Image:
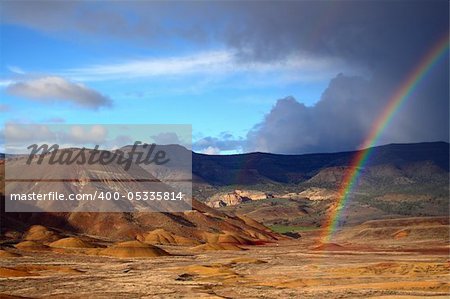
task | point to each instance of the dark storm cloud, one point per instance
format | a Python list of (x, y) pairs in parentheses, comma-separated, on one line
[(356, 30), (343, 118), (388, 38), (143, 22)]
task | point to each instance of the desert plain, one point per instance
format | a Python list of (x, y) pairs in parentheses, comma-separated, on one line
[(399, 258)]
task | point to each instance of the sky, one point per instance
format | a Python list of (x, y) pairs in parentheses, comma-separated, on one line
[(287, 77)]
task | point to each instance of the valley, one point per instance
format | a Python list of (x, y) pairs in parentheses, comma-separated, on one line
[(399, 181)]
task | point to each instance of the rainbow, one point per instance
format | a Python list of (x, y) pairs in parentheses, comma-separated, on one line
[(398, 98)]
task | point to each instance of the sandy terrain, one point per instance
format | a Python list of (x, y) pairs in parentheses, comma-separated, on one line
[(289, 269)]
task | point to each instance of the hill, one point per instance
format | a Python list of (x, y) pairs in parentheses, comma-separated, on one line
[(260, 168), (120, 220)]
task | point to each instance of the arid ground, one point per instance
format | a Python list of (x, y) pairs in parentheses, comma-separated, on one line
[(412, 264)]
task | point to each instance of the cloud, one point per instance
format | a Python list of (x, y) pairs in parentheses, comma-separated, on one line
[(81, 134), (344, 117), (211, 151), (64, 134), (54, 88), (293, 67), (19, 136), (16, 70), (386, 39), (136, 21), (164, 138), (5, 82), (23, 133), (204, 62), (224, 142), (268, 30)]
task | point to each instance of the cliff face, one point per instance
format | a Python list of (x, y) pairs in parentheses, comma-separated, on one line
[(313, 193), (236, 197)]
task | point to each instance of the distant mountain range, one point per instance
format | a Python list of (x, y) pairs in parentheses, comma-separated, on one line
[(265, 169), (256, 168)]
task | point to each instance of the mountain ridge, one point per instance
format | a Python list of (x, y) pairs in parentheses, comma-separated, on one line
[(297, 168)]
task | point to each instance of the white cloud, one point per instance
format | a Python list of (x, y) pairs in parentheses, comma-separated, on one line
[(293, 67), (93, 134), (5, 82), (19, 136), (22, 133), (225, 142), (211, 151), (16, 70), (204, 62), (54, 88)]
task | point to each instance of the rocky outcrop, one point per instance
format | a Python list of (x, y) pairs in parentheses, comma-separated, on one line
[(313, 193), (236, 197)]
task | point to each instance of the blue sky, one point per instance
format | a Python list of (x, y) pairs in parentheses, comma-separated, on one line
[(224, 100), (228, 73)]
